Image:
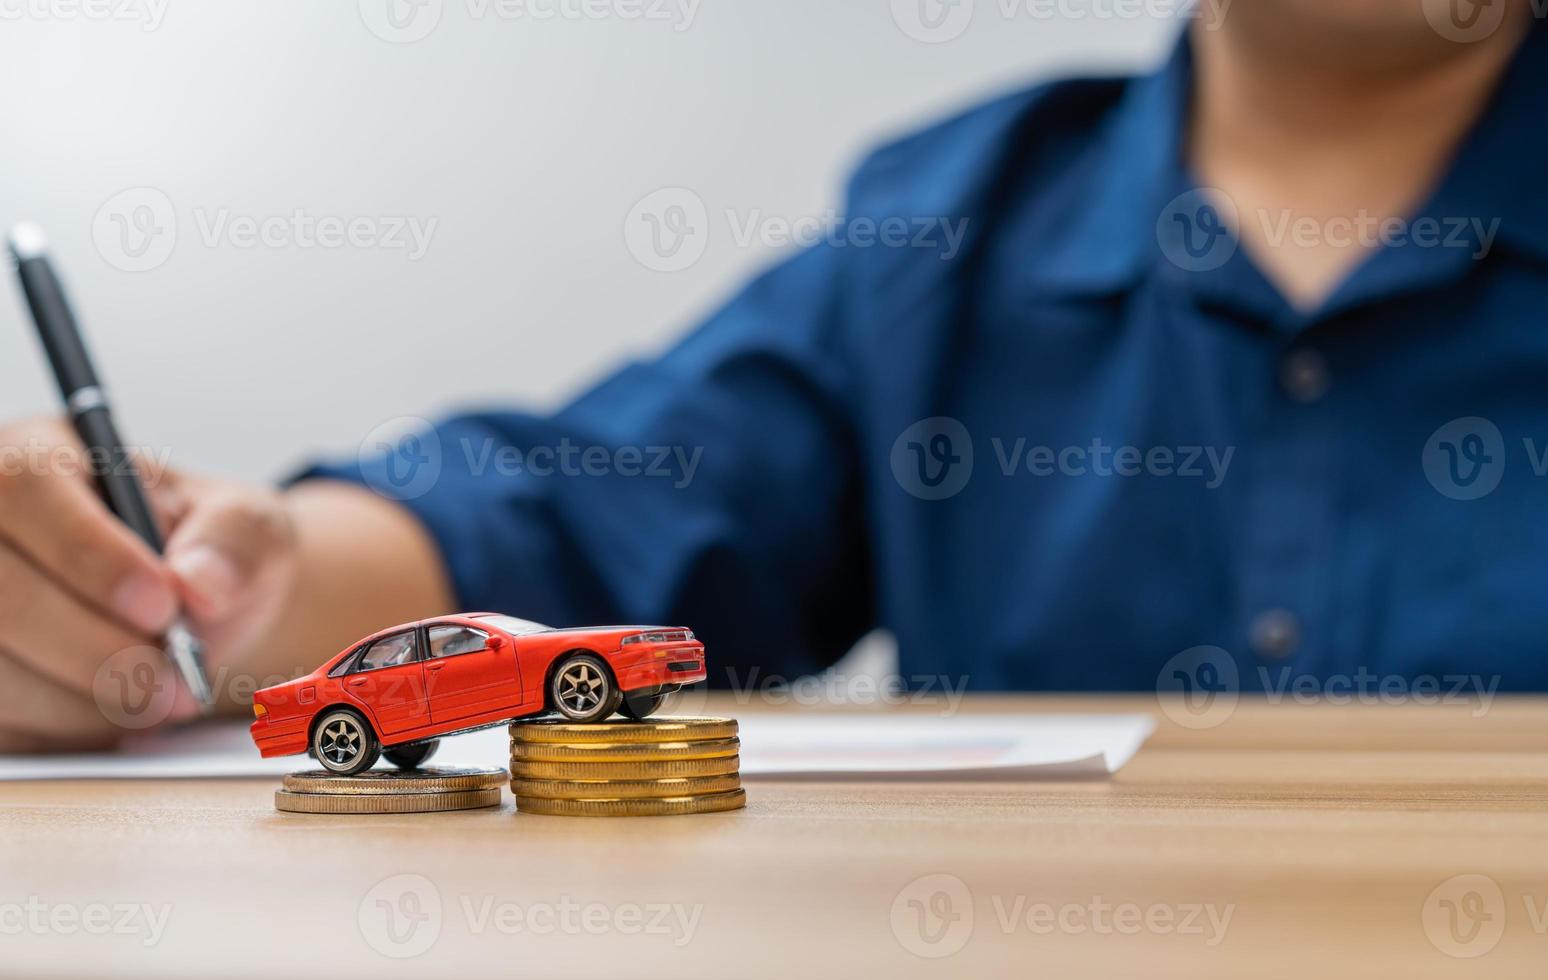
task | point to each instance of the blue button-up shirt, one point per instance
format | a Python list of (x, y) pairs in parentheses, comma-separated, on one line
[(1031, 409)]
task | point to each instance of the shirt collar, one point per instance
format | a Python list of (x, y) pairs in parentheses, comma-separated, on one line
[(1105, 233), (1500, 169), (1099, 235)]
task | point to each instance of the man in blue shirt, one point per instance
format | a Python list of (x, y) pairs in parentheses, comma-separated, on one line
[(1247, 354)]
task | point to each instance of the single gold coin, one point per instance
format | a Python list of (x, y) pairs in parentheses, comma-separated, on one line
[(376, 782), (716, 748), (654, 730), (284, 799), (624, 789), (677, 769), (712, 803)]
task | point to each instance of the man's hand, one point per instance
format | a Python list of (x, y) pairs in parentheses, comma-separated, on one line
[(84, 601)]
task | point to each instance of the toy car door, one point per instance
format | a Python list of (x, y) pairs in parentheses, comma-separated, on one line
[(469, 671)]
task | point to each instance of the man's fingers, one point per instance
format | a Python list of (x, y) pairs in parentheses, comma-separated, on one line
[(34, 707), (53, 632), (19, 743), (50, 512), (224, 546), (67, 532), (169, 502)]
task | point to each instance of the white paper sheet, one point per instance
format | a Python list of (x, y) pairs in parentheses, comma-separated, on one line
[(791, 746)]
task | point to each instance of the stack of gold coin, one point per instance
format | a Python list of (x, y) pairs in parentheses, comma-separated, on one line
[(390, 791), (649, 768)]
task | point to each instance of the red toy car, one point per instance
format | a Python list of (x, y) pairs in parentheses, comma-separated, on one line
[(397, 691)]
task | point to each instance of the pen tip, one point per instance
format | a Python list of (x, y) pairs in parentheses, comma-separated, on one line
[(27, 242)]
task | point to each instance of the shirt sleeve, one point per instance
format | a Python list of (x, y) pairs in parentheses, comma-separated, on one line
[(715, 487)]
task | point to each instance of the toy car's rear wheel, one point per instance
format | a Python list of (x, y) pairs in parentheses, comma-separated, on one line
[(640, 705), (583, 689), (411, 756), (343, 743)]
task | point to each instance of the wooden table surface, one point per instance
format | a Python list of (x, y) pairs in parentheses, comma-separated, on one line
[(1289, 841)]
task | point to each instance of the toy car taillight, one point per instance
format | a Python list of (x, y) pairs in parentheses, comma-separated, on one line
[(664, 636)]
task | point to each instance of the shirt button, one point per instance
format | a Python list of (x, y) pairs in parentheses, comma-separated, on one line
[(1304, 374), (1275, 634)]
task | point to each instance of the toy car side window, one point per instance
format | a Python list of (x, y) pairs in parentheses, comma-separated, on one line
[(347, 665), (449, 641), (390, 651)]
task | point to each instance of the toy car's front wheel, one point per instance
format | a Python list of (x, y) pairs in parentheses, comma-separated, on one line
[(583, 689), (343, 743)]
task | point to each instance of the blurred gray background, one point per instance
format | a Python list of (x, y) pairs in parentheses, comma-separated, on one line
[(168, 148)]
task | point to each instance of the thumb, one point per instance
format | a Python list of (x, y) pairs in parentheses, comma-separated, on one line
[(224, 547)]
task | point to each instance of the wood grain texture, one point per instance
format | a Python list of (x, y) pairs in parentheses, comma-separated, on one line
[(1322, 833)]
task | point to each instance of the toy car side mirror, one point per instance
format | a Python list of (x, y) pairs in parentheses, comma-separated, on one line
[(498, 644)]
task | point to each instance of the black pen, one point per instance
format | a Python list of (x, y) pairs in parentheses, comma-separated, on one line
[(88, 409)]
